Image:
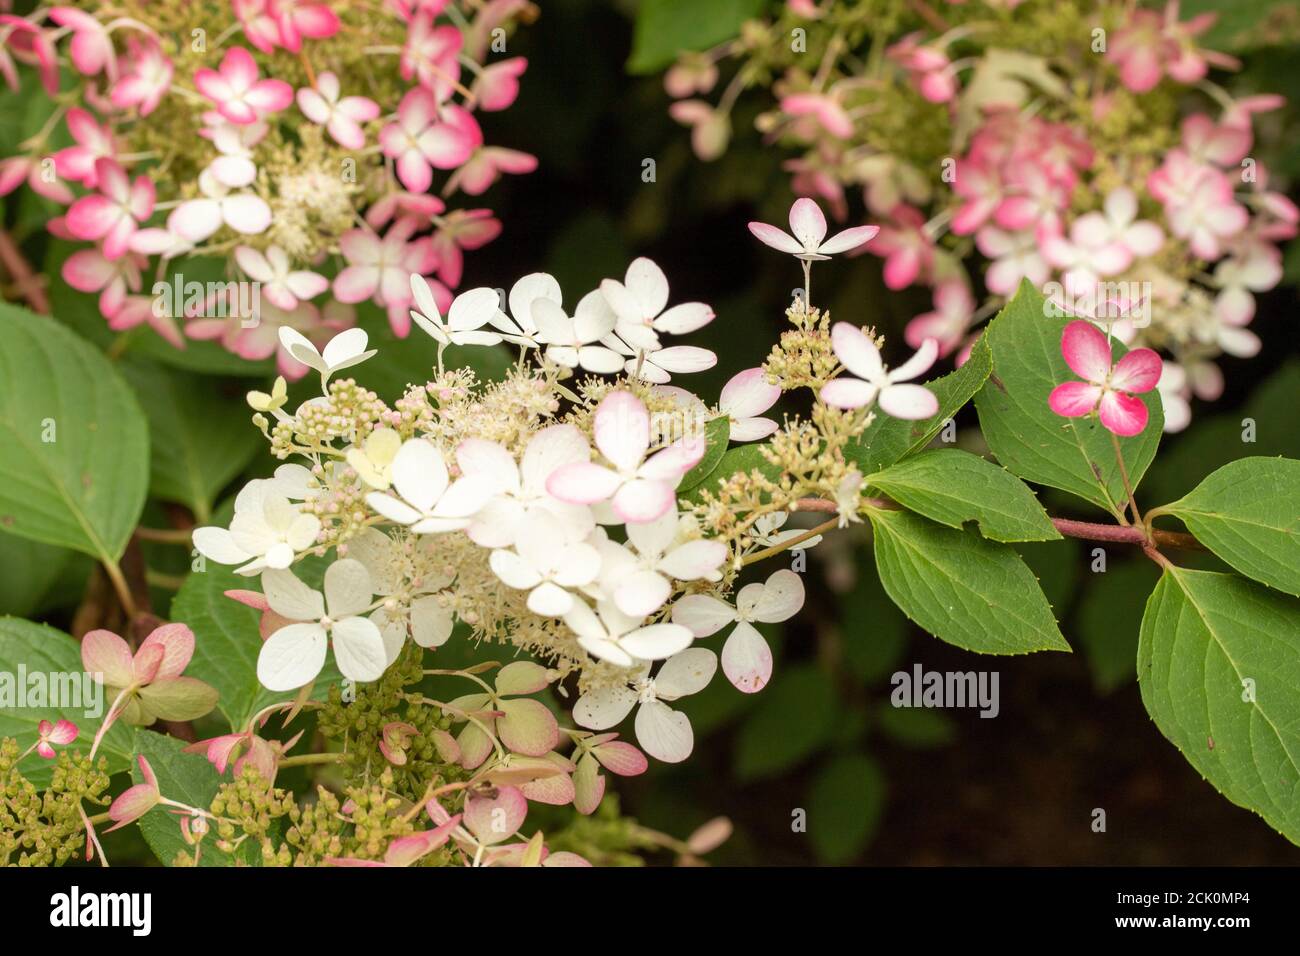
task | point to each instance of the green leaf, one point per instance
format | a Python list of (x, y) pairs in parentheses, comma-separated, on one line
[(1245, 24), (1074, 454), (1109, 618), (189, 779), (1219, 669), (845, 804), (200, 436), (888, 440), (34, 649), (85, 488), (665, 28), (915, 727), (1248, 513), (716, 436), (953, 487), (794, 718), (227, 640), (38, 576), (963, 589)]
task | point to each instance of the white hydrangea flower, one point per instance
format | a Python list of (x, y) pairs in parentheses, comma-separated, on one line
[(469, 312), (546, 565), (429, 502), (746, 658), (766, 532), (613, 636), (662, 732), (638, 302), (572, 342), (294, 655), (520, 326), (267, 531), (343, 351), (639, 583)]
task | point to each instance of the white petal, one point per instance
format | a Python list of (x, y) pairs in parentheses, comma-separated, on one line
[(746, 659), (291, 657), (858, 353), (694, 560), (550, 600), (703, 614), (548, 450), (217, 545), (642, 593), (686, 673), (513, 570), (656, 641), (431, 623), (359, 649), (419, 474), (347, 588), (908, 402), (653, 538), (604, 708), (290, 598), (664, 733), (780, 599), (391, 508)]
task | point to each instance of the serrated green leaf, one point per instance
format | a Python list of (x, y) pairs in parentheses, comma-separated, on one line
[(1219, 670), (38, 649), (200, 436), (85, 488), (952, 487), (970, 592), (665, 28), (189, 779), (1074, 454), (888, 439), (1248, 513), (716, 436), (227, 640), (795, 717), (845, 804)]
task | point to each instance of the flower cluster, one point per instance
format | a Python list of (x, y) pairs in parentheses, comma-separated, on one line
[(296, 142), (997, 143), (547, 512)]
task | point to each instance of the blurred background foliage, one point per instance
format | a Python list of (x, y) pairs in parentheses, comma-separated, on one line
[(876, 784)]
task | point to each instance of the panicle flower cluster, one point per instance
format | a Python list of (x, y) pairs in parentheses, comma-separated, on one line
[(296, 141), (544, 512), (1048, 142)]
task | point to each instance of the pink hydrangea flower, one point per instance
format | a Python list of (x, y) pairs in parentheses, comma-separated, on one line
[(89, 270), (954, 307), (146, 79), (94, 142), (342, 117), (1108, 388), (420, 142), (497, 86), (381, 269), (460, 230), (48, 734), (486, 166), (91, 50), (240, 96), (906, 246), (821, 107), (295, 19), (281, 285), (116, 212), (639, 489), (16, 170), (809, 241), (431, 55)]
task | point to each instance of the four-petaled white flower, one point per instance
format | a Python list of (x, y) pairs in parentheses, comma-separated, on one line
[(546, 565), (429, 501), (766, 532), (809, 241), (613, 636), (638, 302), (519, 489), (343, 351), (658, 364), (639, 583), (638, 489), (746, 658), (469, 312), (874, 382), (662, 732), (266, 532), (295, 654), (520, 326), (571, 342)]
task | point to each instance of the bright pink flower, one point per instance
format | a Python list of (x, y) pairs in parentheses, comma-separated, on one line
[(147, 77), (485, 167), (907, 248), (64, 732), (1034, 200), (1223, 144), (1152, 44), (135, 802), (418, 206), (430, 56), (929, 67), (947, 324), (89, 270), (981, 189), (116, 212), (91, 50), (17, 169), (809, 241), (236, 90), (144, 310), (32, 45), (295, 19), (94, 142), (497, 86), (260, 26), (381, 269), (462, 229), (419, 140), (342, 117), (1108, 389), (1199, 203), (639, 489)]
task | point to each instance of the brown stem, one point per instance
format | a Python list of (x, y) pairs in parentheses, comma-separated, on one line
[(1125, 534), (27, 284)]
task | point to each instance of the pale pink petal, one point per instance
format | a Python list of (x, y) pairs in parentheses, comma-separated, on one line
[(747, 659), (910, 402), (778, 239), (858, 353), (807, 223)]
